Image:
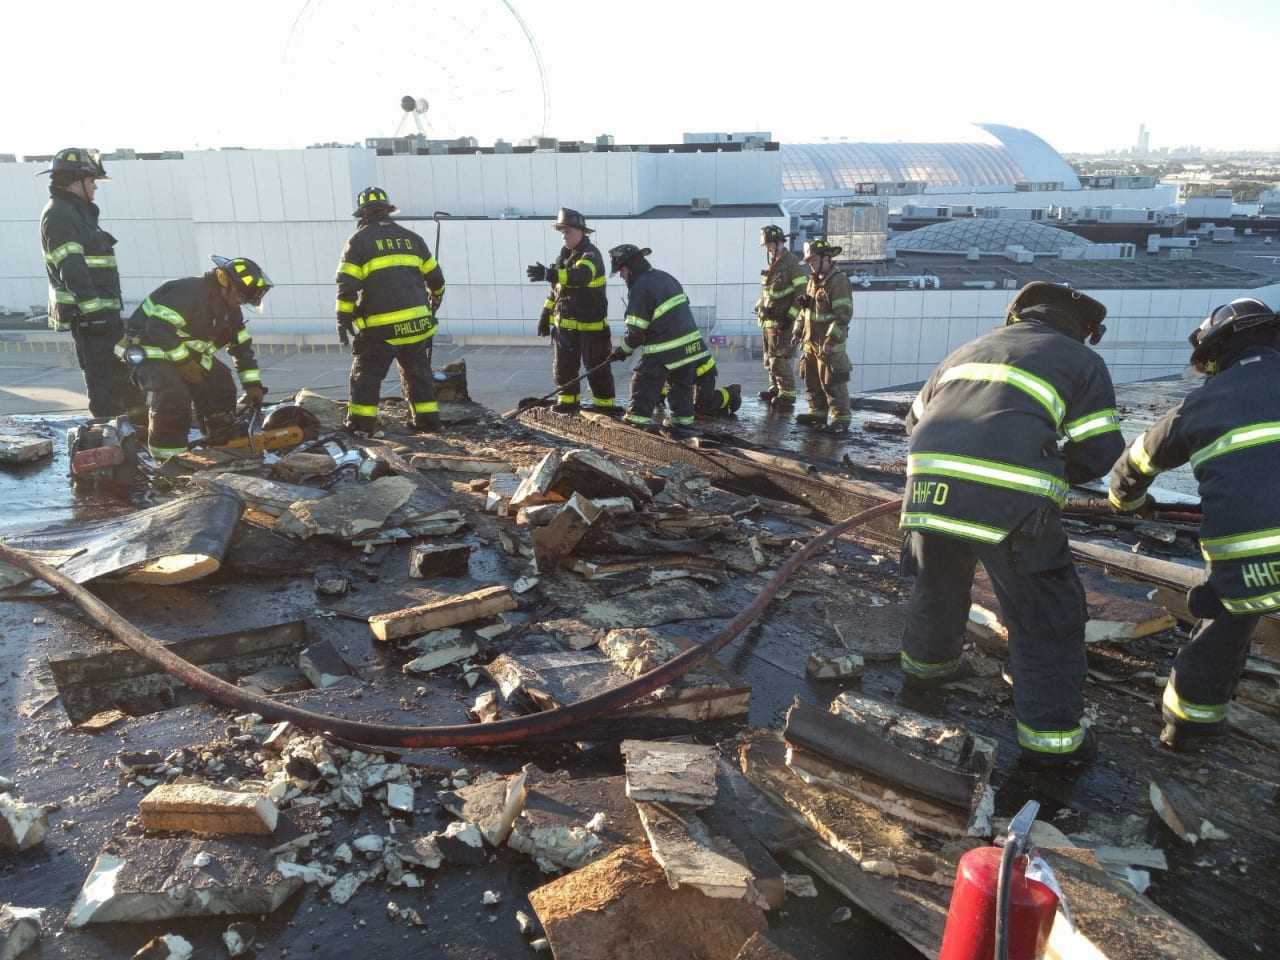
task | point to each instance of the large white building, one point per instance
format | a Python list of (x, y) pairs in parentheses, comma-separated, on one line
[(291, 210)]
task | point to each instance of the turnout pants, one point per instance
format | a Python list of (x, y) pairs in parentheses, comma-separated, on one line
[(708, 399), (370, 361), (169, 402), (1207, 670), (106, 378), (647, 383), (575, 349), (1041, 601), (778, 354), (826, 381)]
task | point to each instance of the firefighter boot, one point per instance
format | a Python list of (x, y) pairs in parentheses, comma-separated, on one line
[(426, 423), (814, 418), (569, 408), (735, 397), (1084, 754), (768, 395), (783, 402)]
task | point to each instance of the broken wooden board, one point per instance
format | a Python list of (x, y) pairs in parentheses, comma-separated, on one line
[(691, 856), (174, 542), (24, 448), (650, 607), (555, 541), (118, 678), (1118, 611), (266, 496), (197, 808), (481, 466), (348, 511), (620, 907), (490, 807), (659, 772), (462, 608), (552, 828), (535, 489), (872, 632), (882, 752), (915, 909), (593, 475)]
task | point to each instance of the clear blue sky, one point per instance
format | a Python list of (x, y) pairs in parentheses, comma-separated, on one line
[(282, 73)]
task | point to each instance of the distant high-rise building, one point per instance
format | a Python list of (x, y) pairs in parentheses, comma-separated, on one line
[(1143, 146)]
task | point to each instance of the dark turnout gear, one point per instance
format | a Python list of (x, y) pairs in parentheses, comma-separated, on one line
[(178, 329), (1229, 431), (84, 296), (661, 327), (708, 399), (575, 314), (1001, 428), (822, 332), (1070, 311), (388, 280), (781, 283)]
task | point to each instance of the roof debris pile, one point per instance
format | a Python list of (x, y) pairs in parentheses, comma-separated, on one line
[(778, 799)]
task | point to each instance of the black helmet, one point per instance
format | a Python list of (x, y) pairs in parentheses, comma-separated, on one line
[(622, 255), (372, 199), (289, 414), (1084, 313), (1214, 336), (248, 279), (571, 218), (772, 233), (820, 248), (78, 162)]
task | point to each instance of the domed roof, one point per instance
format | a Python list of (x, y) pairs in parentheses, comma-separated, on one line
[(988, 236)]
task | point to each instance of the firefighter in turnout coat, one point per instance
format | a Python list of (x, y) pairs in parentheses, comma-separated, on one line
[(389, 289), (1229, 431), (574, 316), (781, 282), (826, 307), (999, 431)]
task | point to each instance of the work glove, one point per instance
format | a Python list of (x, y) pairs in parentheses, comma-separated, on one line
[(803, 301), (536, 273), (344, 333), (254, 394), (829, 347), (1204, 603), (191, 372), (544, 323), (618, 355)]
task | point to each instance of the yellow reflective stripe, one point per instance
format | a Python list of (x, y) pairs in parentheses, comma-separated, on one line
[(688, 360), (841, 302), (251, 376), (589, 264), (568, 398), (243, 337), (62, 296), (389, 260), (636, 418), (99, 263), (602, 401), (429, 406), (626, 348), (60, 253), (1039, 390), (682, 421), (1260, 604), (952, 527), (1103, 421), (1128, 506), (362, 410), (1192, 712), (926, 670), (98, 303), (639, 322), (706, 368), (1139, 457), (669, 304), (672, 344), (161, 312), (1240, 438), (179, 354), (1251, 544), (429, 264), (548, 303), (586, 326), (412, 338), (345, 306), (598, 282), (351, 270), (991, 472), (165, 453), (1050, 741), (394, 316), (200, 346)]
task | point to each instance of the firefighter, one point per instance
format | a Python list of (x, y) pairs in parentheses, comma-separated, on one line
[(999, 431), (84, 282), (574, 316), (389, 289), (661, 327), (781, 282), (172, 339), (826, 307), (1229, 431)]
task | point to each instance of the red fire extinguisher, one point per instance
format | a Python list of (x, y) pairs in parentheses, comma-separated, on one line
[(997, 912)]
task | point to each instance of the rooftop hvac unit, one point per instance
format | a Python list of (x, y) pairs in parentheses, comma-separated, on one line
[(1010, 283), (700, 205)]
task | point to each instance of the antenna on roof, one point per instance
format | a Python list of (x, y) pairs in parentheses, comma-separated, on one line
[(415, 108)]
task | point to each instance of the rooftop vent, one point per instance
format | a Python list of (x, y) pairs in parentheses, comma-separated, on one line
[(700, 205)]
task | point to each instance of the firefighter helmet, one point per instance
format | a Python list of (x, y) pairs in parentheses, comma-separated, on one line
[(1214, 336), (622, 255), (819, 247), (772, 233), (78, 162), (1086, 312), (372, 199), (571, 218), (244, 276)]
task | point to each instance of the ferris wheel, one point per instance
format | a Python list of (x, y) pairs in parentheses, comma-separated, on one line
[(469, 69)]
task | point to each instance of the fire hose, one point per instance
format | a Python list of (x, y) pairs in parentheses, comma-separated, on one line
[(457, 735)]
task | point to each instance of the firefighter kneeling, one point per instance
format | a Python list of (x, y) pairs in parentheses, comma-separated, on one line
[(171, 342)]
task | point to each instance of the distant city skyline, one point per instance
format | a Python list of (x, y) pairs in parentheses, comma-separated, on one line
[(157, 75)]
